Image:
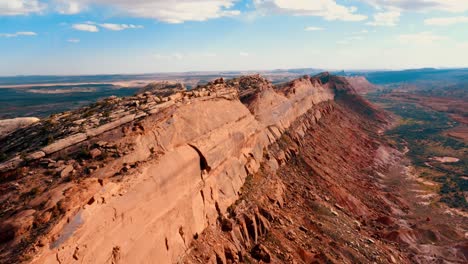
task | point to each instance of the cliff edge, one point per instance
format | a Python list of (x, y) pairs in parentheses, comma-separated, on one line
[(195, 176)]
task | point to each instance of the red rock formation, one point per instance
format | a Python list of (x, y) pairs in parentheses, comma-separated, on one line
[(207, 175), (188, 162)]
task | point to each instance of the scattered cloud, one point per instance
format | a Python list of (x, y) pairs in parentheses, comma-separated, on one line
[(387, 18), (17, 34), (91, 26), (446, 21), (73, 40), (455, 6), (422, 38), (243, 54), (328, 9), (313, 29), (20, 7), (169, 11), (389, 11), (68, 7), (118, 27), (86, 27)]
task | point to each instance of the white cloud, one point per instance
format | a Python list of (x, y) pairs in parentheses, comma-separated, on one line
[(328, 9), (86, 27), (243, 54), (68, 7), (446, 21), (422, 38), (20, 7), (313, 28), (390, 10), (170, 11), (91, 26), (456, 6), (17, 34), (387, 18), (118, 27), (73, 40)]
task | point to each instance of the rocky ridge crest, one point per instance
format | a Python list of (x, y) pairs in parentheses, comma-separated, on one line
[(176, 161)]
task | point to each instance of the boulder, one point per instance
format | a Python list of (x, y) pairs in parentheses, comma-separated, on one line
[(66, 171), (94, 153)]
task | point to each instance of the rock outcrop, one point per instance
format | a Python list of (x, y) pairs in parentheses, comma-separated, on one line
[(176, 161), (162, 174), (8, 126), (361, 84)]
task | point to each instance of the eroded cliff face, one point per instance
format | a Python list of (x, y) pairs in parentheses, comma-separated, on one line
[(233, 171), (143, 186)]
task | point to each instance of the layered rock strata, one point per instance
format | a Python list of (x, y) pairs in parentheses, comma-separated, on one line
[(146, 181)]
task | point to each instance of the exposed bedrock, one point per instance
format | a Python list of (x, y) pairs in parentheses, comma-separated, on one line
[(179, 170), (10, 125), (208, 149)]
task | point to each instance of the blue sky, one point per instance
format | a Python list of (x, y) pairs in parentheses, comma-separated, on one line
[(145, 36)]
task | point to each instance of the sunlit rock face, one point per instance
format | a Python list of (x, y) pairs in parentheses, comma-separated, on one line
[(10, 125), (153, 171)]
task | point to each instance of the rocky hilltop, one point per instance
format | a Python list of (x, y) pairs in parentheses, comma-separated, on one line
[(361, 84), (233, 171)]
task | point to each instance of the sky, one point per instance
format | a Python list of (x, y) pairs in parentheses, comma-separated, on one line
[(74, 37)]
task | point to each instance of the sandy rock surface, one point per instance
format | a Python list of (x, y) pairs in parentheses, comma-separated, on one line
[(9, 125)]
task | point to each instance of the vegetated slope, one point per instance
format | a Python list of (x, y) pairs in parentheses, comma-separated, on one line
[(429, 135), (230, 171)]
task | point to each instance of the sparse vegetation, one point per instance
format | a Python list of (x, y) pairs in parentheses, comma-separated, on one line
[(421, 130)]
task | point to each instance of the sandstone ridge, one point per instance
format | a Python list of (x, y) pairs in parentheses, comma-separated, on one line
[(137, 179)]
